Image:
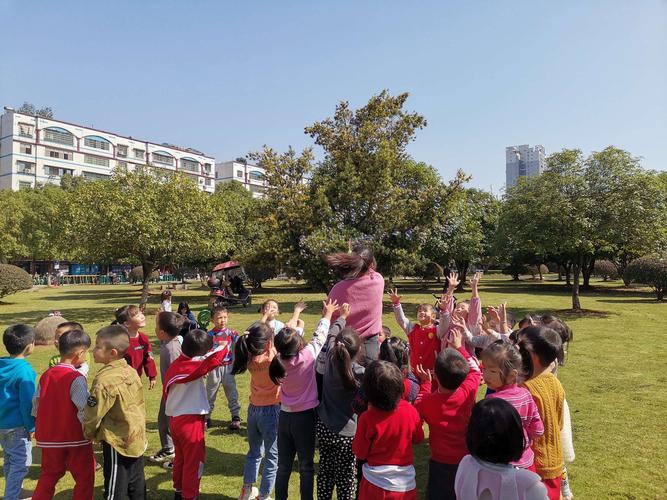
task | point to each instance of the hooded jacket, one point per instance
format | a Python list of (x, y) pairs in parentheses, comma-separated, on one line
[(17, 388)]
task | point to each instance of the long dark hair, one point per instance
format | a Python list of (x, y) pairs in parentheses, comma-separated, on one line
[(353, 264), (495, 433), (345, 348), (383, 385), (252, 343), (288, 344), (396, 351), (544, 342)]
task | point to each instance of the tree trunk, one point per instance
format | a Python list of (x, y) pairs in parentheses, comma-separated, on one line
[(660, 294), (587, 271), (147, 269), (539, 270), (576, 304), (462, 266), (568, 272)]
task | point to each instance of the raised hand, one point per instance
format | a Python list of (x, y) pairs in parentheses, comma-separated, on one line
[(300, 306), (345, 310), (394, 296), (474, 282), (456, 339), (328, 307), (422, 375), (453, 280), (494, 314)]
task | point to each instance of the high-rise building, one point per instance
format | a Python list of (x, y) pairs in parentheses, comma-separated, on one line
[(523, 161), (251, 176), (35, 150)]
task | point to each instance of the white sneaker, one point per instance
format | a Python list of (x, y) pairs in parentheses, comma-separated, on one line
[(248, 493)]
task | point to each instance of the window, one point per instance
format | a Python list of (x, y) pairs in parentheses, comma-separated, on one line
[(163, 159), (256, 176), (65, 155), (121, 151), (139, 153), (121, 164), (57, 171), (207, 168), (96, 160), (97, 143), (25, 167), (26, 149), (25, 130), (189, 165), (239, 173), (208, 182), (93, 176), (58, 135), (25, 185)]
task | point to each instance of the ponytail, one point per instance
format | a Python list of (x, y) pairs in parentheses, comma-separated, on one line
[(288, 344), (252, 343), (344, 350), (351, 265)]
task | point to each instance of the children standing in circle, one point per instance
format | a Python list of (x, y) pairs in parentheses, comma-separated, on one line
[(222, 375), (502, 364), (385, 435), (293, 369), (337, 422), (495, 441), (139, 354), (254, 352), (540, 347)]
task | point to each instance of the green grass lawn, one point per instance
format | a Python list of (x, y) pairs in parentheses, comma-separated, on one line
[(614, 378)]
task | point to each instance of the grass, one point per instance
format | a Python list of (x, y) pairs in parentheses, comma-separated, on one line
[(614, 378)]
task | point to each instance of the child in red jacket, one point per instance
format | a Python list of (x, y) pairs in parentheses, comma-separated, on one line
[(447, 412), (140, 353), (385, 435)]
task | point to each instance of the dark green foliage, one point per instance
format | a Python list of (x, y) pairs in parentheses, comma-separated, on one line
[(650, 271), (13, 279)]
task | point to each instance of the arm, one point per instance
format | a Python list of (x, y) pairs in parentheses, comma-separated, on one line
[(35, 402), (98, 405), (418, 434), (320, 335), (534, 426), (475, 314), (26, 394), (78, 393), (299, 307), (401, 319), (361, 444), (149, 364)]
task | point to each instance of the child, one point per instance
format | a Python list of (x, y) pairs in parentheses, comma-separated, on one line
[(254, 352), (446, 412), (167, 328), (385, 333), (293, 368), (184, 310), (495, 440), (17, 388), (222, 375), (116, 416), (270, 311), (139, 355), (469, 312), (59, 405), (385, 435), (423, 338), (397, 351), (187, 406), (60, 330), (337, 422), (540, 347), (502, 364), (165, 301), (334, 330)]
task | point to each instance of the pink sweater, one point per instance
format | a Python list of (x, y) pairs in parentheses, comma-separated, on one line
[(365, 295)]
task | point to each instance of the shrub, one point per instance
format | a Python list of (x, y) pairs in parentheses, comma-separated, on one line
[(650, 271), (137, 275), (45, 330), (534, 271), (606, 270), (13, 279), (515, 269)]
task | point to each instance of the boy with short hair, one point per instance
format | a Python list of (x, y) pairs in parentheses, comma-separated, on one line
[(61, 329), (116, 416), (187, 406), (59, 405), (222, 375), (447, 412), (17, 388), (139, 354)]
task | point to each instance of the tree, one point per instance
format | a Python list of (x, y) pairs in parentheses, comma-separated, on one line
[(30, 109), (650, 270), (147, 217), (12, 212)]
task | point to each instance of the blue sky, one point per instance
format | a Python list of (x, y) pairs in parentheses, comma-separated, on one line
[(228, 77)]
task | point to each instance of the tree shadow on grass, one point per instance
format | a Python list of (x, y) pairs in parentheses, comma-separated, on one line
[(633, 301)]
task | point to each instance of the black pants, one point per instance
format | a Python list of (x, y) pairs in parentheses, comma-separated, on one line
[(296, 437), (371, 349), (123, 476), (441, 478), (338, 466)]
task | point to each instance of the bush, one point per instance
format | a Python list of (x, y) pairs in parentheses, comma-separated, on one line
[(515, 269), (13, 279), (137, 275), (650, 271), (534, 271), (606, 270)]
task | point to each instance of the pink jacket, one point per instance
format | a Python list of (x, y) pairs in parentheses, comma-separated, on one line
[(364, 294)]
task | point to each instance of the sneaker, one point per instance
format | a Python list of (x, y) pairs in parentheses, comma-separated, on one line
[(235, 425), (209, 423), (169, 464), (161, 456), (248, 492)]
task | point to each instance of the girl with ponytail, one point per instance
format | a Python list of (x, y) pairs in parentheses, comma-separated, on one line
[(293, 368), (337, 421), (254, 351)]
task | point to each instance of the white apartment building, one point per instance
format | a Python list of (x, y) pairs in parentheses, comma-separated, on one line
[(523, 161), (251, 176), (38, 150)]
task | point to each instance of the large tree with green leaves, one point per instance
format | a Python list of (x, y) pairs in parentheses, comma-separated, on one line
[(147, 217), (12, 212)]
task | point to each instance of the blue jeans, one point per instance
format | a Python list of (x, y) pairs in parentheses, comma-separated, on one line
[(263, 440), (17, 447)]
